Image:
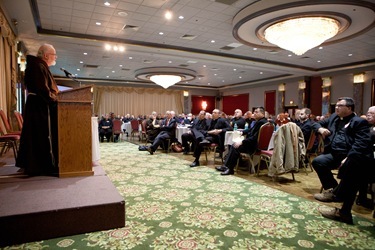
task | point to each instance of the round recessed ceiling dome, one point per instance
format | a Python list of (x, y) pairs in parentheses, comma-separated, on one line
[(352, 18)]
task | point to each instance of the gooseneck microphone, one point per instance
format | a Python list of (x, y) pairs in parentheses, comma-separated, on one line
[(67, 73)]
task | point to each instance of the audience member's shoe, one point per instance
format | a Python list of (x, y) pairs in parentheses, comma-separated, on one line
[(335, 214), (102, 140), (149, 149), (221, 168), (205, 142), (194, 164), (364, 202), (227, 172), (326, 196)]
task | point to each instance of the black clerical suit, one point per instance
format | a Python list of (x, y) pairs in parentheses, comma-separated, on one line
[(219, 123), (198, 124), (249, 145), (105, 132), (167, 131), (306, 128)]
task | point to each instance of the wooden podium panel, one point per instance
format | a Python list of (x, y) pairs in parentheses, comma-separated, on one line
[(74, 132)]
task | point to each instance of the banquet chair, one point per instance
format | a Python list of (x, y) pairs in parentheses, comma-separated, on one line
[(144, 135), (265, 155), (116, 129), (19, 118), (8, 129), (264, 137), (212, 147), (135, 128), (311, 150)]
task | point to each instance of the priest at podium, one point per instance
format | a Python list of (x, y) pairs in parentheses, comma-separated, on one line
[(38, 145)]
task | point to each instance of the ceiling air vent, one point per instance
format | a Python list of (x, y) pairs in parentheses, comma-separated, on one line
[(227, 2), (130, 27), (227, 48), (125, 69), (183, 65), (188, 37), (91, 66)]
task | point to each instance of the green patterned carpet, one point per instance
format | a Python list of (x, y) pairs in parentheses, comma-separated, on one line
[(171, 206)]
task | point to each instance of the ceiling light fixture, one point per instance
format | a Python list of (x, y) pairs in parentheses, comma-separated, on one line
[(165, 76), (302, 33)]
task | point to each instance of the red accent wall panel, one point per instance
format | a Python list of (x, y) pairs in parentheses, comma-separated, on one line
[(270, 101), (315, 95), (197, 101), (233, 102)]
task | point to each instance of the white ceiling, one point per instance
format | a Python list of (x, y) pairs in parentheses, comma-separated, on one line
[(70, 25)]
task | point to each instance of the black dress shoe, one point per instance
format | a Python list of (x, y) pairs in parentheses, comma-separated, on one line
[(150, 150), (335, 214), (221, 168), (228, 172), (194, 164)]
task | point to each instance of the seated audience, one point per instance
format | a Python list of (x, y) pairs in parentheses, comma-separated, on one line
[(248, 145), (152, 127), (238, 119), (305, 123), (105, 128), (347, 147), (214, 134), (167, 131), (199, 124)]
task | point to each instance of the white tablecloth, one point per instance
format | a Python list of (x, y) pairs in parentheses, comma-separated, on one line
[(180, 131), (127, 126), (95, 140), (271, 144)]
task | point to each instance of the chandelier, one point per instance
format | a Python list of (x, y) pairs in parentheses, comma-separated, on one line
[(302, 33), (165, 76)]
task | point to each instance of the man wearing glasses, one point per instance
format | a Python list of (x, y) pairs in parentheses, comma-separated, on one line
[(38, 144), (347, 147)]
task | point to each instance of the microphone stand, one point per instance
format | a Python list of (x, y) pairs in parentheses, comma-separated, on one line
[(73, 78)]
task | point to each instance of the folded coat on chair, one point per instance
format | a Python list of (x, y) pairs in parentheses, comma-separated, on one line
[(289, 148)]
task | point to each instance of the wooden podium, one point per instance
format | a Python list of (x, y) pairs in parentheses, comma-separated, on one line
[(74, 132)]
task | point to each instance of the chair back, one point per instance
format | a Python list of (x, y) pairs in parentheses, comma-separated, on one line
[(143, 125), (265, 135), (19, 119), (310, 143), (116, 128), (5, 122), (135, 125)]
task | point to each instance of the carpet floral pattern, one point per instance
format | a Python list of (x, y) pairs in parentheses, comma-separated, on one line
[(172, 206)]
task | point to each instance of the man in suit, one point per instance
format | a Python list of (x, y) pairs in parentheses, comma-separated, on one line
[(305, 123), (214, 134), (248, 145), (167, 131), (347, 147), (238, 119), (199, 124)]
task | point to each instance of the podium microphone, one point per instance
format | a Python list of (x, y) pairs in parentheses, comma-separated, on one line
[(67, 73)]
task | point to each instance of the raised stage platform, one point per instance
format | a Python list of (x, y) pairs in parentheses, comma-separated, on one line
[(40, 208)]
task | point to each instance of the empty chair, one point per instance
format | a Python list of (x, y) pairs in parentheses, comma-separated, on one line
[(116, 130), (135, 128), (8, 129), (19, 118)]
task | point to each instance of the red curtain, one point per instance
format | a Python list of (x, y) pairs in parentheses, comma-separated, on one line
[(197, 102), (233, 102), (270, 101)]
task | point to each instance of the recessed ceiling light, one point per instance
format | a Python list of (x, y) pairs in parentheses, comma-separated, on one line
[(212, 41), (130, 57), (107, 76), (234, 69), (107, 3), (181, 17), (223, 81), (113, 71), (108, 47), (320, 47), (122, 13), (80, 62), (169, 61), (261, 73), (209, 83), (318, 61), (120, 65), (98, 23), (350, 54), (289, 55), (168, 15), (215, 74), (85, 53), (78, 69), (255, 48), (240, 77), (204, 66), (161, 33)]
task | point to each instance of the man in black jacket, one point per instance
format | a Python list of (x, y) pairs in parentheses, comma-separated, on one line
[(248, 145), (348, 148), (167, 131), (305, 123), (199, 124), (215, 134)]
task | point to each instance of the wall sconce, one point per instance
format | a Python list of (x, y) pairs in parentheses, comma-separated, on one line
[(291, 102), (359, 78), (186, 93), (281, 87), (204, 105), (326, 82), (301, 84)]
